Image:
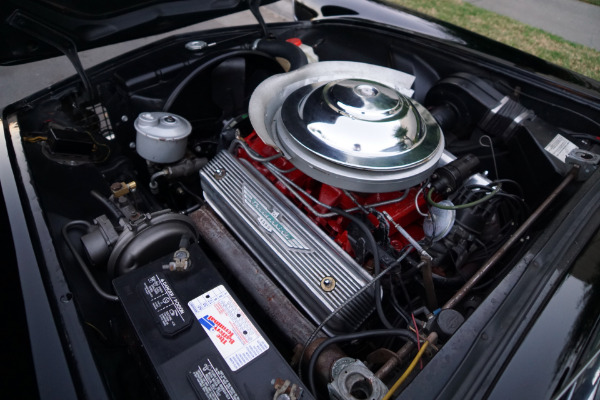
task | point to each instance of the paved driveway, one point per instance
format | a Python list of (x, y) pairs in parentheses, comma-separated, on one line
[(572, 20)]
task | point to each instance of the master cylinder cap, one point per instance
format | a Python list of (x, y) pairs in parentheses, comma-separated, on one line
[(161, 137)]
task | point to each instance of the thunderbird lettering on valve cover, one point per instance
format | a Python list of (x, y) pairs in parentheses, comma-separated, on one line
[(361, 204)]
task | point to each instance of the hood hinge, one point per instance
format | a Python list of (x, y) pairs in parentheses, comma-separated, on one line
[(33, 27)]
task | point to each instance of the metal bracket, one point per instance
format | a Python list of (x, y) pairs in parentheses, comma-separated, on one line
[(586, 161), (351, 376), (254, 8)]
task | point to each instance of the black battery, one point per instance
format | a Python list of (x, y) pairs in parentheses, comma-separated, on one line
[(201, 341)]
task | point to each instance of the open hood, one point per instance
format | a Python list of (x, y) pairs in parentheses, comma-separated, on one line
[(30, 26)]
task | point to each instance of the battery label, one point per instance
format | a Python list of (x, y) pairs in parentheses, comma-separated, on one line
[(230, 330), (210, 381), (165, 307), (560, 147)]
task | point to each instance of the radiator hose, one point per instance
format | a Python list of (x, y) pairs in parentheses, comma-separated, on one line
[(280, 48)]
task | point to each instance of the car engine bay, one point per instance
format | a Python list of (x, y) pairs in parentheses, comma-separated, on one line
[(328, 194)]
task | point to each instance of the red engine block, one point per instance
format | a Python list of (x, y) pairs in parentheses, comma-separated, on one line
[(403, 212)]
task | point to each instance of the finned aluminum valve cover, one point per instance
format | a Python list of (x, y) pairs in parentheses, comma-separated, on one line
[(312, 268)]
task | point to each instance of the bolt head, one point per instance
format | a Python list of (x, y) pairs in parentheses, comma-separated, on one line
[(327, 284), (219, 173), (196, 45)]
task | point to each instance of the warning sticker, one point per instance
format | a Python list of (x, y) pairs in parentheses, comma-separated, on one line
[(560, 147), (164, 304), (210, 381), (232, 333)]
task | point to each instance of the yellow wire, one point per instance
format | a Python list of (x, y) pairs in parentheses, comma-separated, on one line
[(406, 373), (99, 145), (96, 329), (34, 139)]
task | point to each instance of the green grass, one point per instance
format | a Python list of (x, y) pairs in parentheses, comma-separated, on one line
[(535, 41), (594, 2)]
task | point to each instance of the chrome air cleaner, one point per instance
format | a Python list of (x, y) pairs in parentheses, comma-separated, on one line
[(361, 132)]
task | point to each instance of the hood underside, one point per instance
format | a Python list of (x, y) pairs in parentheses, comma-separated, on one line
[(35, 30)]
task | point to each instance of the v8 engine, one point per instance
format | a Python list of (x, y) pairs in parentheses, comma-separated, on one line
[(249, 224)]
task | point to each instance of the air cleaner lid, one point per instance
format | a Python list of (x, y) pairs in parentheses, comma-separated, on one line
[(359, 124), (350, 125)]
